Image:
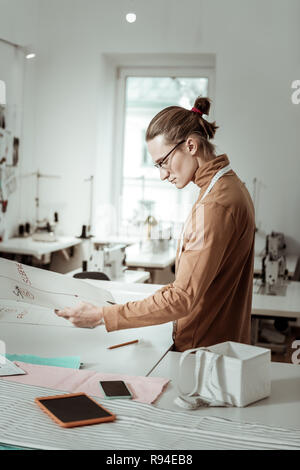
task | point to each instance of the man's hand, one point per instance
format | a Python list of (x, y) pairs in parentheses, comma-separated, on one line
[(83, 315)]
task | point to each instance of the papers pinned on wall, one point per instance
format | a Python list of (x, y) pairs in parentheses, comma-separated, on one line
[(6, 146)]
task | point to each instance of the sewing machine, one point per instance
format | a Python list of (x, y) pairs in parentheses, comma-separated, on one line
[(108, 258), (274, 282), (274, 272), (44, 231)]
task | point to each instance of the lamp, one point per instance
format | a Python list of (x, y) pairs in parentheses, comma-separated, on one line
[(28, 54), (131, 17)]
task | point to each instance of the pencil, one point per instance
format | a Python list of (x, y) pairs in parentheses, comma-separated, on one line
[(123, 344)]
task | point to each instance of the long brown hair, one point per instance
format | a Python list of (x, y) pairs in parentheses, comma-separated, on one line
[(176, 123)]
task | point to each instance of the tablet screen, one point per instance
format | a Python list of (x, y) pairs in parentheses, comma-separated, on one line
[(74, 408)]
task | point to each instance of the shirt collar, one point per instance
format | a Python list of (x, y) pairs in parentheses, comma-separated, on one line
[(206, 172)]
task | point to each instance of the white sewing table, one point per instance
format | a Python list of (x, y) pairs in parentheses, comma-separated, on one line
[(151, 357), (140, 259), (278, 305), (91, 344), (269, 305), (158, 264), (118, 239), (282, 408), (136, 256), (128, 276), (27, 246)]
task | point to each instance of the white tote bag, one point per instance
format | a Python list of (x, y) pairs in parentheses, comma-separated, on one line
[(225, 374)]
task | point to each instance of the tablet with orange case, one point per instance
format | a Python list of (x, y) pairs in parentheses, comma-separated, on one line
[(74, 409)]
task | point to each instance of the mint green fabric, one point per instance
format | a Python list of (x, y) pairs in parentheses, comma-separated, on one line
[(4, 447), (71, 362)]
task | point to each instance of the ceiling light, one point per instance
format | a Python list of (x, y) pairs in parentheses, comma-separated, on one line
[(131, 17), (30, 56)]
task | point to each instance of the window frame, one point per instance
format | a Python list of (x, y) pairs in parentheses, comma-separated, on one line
[(145, 71)]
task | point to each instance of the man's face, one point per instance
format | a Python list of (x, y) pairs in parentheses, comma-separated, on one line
[(180, 166)]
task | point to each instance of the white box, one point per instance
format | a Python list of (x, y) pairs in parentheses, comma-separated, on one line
[(233, 373)]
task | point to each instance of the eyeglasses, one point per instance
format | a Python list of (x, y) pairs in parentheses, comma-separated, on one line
[(162, 163)]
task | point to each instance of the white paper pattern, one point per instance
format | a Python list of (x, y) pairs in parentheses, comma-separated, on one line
[(27, 294), (9, 368)]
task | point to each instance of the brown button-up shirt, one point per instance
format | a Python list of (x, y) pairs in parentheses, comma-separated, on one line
[(210, 299)]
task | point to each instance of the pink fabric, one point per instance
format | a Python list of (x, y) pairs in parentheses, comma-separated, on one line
[(144, 389)]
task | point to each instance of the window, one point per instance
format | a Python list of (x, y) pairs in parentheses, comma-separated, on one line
[(143, 194)]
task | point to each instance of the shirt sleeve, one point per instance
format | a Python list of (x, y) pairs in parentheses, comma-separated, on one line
[(204, 250)]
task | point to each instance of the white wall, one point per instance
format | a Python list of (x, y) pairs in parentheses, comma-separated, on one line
[(18, 23), (257, 58)]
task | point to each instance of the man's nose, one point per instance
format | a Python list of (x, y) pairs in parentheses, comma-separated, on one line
[(164, 173)]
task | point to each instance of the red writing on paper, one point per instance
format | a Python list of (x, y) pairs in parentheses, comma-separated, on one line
[(23, 293), (22, 273)]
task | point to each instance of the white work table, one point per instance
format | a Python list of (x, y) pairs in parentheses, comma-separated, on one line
[(278, 305), (151, 357), (27, 246), (269, 305), (281, 408), (128, 276), (91, 344), (137, 258), (123, 240), (270, 423), (136, 291)]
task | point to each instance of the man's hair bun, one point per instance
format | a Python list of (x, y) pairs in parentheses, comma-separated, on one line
[(203, 104), (176, 123)]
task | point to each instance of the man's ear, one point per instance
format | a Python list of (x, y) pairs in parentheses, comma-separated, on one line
[(192, 145)]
